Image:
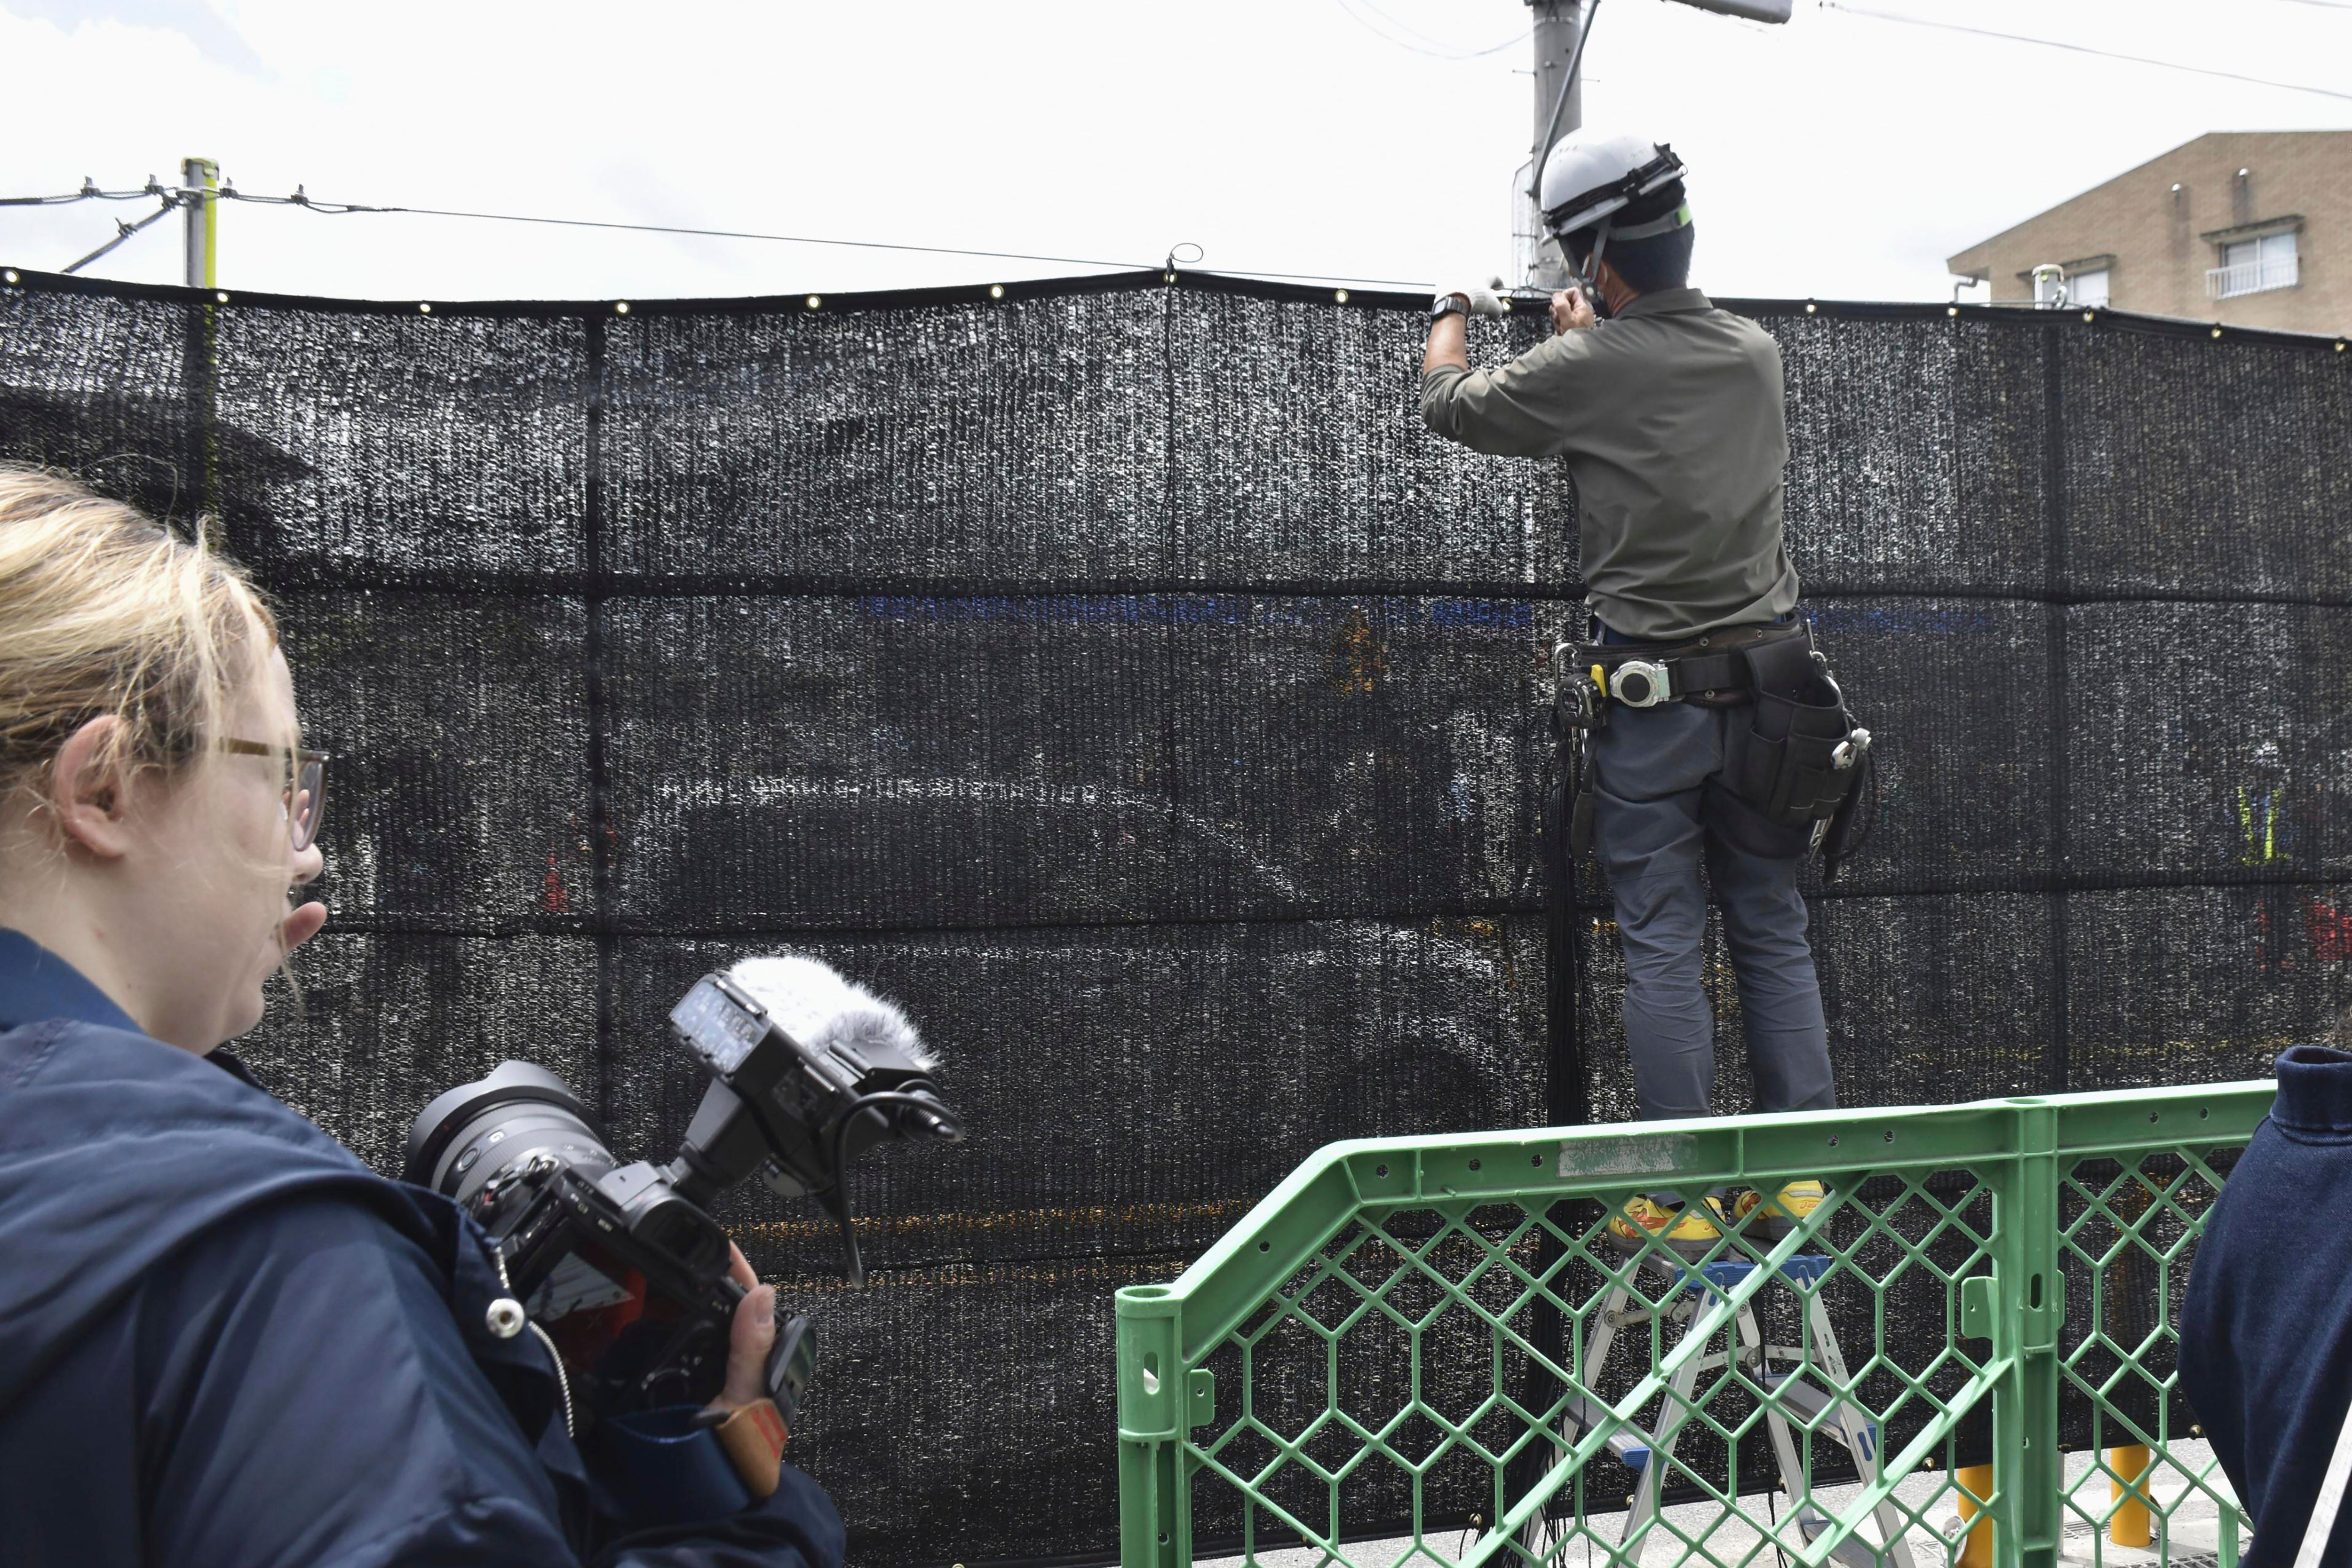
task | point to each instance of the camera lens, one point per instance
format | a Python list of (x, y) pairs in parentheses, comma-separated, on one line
[(468, 1135)]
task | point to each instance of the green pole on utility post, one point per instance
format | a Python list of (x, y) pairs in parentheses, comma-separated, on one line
[(201, 174), (199, 179)]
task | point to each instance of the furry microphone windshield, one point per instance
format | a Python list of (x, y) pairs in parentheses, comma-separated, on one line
[(810, 1070), (817, 1005)]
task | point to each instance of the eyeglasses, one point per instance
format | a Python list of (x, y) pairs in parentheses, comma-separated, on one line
[(306, 798)]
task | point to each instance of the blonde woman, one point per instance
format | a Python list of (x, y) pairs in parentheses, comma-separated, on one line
[(223, 1340)]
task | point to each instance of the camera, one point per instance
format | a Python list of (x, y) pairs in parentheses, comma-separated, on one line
[(620, 1266)]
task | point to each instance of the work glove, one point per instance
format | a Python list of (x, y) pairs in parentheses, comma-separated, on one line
[(1485, 299)]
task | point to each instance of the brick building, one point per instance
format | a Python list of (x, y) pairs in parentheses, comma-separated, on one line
[(2251, 228)]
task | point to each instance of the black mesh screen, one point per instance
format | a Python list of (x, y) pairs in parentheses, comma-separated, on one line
[(1119, 675)]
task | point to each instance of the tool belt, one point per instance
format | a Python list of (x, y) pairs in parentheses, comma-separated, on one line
[(1801, 760), (1713, 671)]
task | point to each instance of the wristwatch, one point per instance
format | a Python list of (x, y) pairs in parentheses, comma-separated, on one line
[(1452, 305)]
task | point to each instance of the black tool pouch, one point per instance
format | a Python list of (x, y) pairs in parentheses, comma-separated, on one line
[(1801, 754), (1789, 770)]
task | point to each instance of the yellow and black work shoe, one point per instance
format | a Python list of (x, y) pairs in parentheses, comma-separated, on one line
[(1770, 1218), (1691, 1231)]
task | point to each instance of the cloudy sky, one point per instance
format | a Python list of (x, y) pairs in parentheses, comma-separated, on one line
[(1842, 156)]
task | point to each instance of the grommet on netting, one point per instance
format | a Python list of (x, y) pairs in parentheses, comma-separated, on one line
[(814, 300), (2090, 315), (424, 307), (2217, 331), (220, 296), (2339, 342), (996, 291), (10, 276), (1340, 295), (1951, 309), (1811, 308), (620, 307)]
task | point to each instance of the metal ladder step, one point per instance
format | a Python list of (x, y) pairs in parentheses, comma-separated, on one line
[(1814, 1403), (1628, 1443)]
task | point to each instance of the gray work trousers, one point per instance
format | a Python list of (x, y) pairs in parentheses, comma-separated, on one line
[(1661, 805)]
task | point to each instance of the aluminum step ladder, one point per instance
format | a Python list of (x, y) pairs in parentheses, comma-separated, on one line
[(1778, 1367)]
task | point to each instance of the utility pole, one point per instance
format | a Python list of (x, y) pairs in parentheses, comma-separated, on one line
[(1560, 29), (203, 222), (1558, 23)]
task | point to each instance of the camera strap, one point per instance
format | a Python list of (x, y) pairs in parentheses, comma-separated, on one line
[(754, 1436)]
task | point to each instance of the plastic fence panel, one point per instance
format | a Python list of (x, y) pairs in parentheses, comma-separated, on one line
[(1449, 1347), (2130, 1229)]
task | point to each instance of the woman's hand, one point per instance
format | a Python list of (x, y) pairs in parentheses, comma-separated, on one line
[(303, 923), (750, 1338)]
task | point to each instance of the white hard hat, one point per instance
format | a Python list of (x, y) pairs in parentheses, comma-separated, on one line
[(1587, 178)]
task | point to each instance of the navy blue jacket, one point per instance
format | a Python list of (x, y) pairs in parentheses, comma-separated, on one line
[(225, 1342), (2266, 1327)]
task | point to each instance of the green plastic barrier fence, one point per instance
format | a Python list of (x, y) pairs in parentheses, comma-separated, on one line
[(1437, 1345)]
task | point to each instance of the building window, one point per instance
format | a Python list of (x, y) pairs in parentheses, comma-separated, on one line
[(2252, 265), (2087, 288)]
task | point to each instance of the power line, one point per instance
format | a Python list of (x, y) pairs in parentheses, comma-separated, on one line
[(708, 234), (2082, 49), (90, 192), (124, 231), (301, 198), (1440, 53)]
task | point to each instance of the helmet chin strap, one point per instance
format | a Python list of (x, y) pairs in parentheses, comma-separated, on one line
[(1588, 273)]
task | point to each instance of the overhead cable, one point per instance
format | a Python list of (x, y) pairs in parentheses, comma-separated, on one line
[(301, 198), (124, 231), (1440, 53), (2079, 49), (90, 192)]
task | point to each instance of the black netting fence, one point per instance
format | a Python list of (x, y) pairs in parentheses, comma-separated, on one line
[(1118, 673)]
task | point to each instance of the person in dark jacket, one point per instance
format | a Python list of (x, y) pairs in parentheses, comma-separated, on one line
[(2266, 1327), (224, 1340)]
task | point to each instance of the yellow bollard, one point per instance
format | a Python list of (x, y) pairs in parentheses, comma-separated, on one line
[(2128, 1526), (1977, 1552)]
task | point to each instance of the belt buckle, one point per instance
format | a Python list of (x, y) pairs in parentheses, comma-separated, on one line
[(1652, 683)]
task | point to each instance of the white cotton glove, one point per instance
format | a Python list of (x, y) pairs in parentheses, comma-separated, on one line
[(1485, 299)]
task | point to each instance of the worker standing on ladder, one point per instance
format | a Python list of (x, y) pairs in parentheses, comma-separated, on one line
[(1712, 731)]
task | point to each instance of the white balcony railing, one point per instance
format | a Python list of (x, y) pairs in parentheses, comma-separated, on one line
[(2251, 276)]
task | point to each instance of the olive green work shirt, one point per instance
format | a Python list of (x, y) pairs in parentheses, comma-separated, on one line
[(1671, 419)]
